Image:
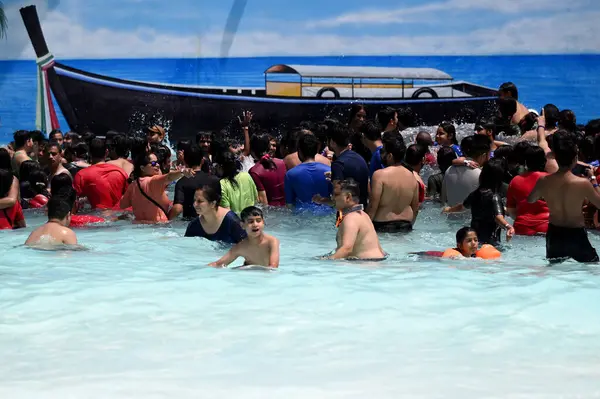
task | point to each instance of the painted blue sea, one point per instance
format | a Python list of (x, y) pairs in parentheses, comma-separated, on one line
[(569, 81)]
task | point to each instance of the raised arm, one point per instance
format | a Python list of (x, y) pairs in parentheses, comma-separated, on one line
[(245, 123)]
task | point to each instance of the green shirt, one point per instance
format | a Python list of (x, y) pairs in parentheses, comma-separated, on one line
[(241, 196)]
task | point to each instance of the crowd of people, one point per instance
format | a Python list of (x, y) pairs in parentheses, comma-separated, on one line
[(365, 169)]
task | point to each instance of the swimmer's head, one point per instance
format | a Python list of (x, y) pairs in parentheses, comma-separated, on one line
[(467, 242), (155, 134), (207, 198), (253, 221), (59, 210), (146, 165), (346, 194), (6, 181)]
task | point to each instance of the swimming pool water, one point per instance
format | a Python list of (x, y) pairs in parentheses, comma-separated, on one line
[(139, 315)]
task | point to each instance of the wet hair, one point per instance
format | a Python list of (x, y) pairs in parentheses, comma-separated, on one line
[(371, 130), (58, 208), (139, 163), (511, 88), (163, 154), (585, 145), (193, 156), (393, 143), (230, 167), (61, 181), (138, 147), (415, 154), (21, 137), (5, 160), (54, 133), (74, 137), (478, 146), (535, 159), (251, 211), (445, 156), (350, 186), (260, 145), (592, 128), (450, 130), (520, 151), (53, 144), (38, 182), (338, 133), (355, 109), (120, 145), (6, 181), (492, 175), (26, 168), (424, 138), (406, 117), (37, 136), (527, 123), (490, 126), (504, 152), (564, 147), (78, 150), (183, 145), (552, 115), (212, 192), (308, 145), (97, 148), (466, 144), (567, 120), (385, 116), (462, 233), (201, 135), (507, 108)]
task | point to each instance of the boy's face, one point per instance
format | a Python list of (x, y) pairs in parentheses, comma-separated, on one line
[(254, 226)]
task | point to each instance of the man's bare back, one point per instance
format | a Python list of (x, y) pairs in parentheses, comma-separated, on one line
[(565, 193), (52, 233), (394, 195), (522, 111), (292, 160), (357, 230), (123, 164)]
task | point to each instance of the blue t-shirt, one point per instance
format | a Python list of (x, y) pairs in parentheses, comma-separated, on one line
[(351, 165), (304, 181), (230, 231), (376, 162), (456, 149)]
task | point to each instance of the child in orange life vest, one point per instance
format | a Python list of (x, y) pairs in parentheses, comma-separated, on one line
[(467, 246)]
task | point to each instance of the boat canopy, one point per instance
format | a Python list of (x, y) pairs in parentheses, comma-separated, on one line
[(358, 72)]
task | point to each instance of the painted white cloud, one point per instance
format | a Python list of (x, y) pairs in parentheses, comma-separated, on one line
[(569, 33), (399, 15)]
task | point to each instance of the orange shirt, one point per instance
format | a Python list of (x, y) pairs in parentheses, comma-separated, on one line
[(143, 209)]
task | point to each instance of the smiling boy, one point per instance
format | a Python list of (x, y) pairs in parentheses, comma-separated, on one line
[(258, 249)]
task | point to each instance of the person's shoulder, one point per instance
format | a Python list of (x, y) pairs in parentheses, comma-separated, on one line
[(272, 240)]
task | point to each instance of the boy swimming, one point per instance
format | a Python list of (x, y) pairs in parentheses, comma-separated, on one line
[(259, 248)]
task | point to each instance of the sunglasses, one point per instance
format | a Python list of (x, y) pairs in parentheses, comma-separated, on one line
[(153, 163)]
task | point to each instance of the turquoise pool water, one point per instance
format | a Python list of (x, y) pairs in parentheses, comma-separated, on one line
[(140, 316)]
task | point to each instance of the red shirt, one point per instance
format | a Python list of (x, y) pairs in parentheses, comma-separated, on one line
[(270, 181), (103, 184), (531, 218), (10, 216)]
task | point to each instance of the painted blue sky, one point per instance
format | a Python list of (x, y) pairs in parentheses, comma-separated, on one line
[(195, 28)]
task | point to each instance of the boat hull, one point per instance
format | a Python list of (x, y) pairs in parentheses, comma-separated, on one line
[(102, 103)]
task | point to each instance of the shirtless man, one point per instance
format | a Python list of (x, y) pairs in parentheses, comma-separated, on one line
[(356, 237), (259, 249), (23, 146), (54, 152), (565, 194), (394, 200), (120, 147), (55, 230), (509, 90), (292, 160)]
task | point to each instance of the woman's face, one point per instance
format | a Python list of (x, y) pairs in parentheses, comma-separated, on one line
[(201, 205), (468, 247), (442, 138), (359, 118), (152, 168)]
